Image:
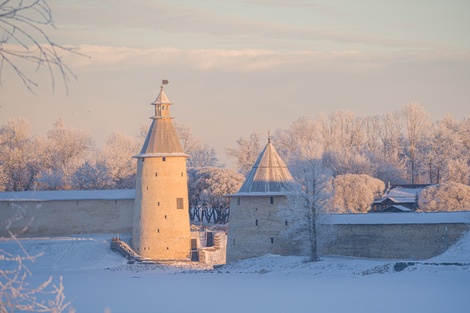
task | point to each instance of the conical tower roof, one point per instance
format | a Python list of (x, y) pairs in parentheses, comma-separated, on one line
[(268, 175), (162, 139)]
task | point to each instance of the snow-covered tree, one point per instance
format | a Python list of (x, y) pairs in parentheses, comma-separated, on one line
[(246, 152), (16, 154), (417, 122), (443, 146), (342, 129), (91, 176), (200, 153), (208, 189), (3, 178), (203, 156), (303, 137), (64, 150), (447, 196), (116, 158), (355, 193), (310, 196), (342, 161)]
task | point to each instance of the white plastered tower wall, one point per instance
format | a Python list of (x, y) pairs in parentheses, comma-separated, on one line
[(256, 225), (161, 227)]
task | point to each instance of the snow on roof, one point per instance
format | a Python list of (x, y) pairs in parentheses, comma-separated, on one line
[(268, 175), (402, 200), (397, 218), (399, 207), (51, 195)]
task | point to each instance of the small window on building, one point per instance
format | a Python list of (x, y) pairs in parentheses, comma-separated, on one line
[(163, 159), (238, 200), (158, 203), (182, 174), (286, 222), (168, 248), (156, 174), (77, 202), (147, 187), (233, 241), (158, 231), (272, 239), (165, 216), (272, 200), (115, 201), (256, 222), (179, 203)]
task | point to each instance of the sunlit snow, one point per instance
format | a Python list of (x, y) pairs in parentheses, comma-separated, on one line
[(97, 279)]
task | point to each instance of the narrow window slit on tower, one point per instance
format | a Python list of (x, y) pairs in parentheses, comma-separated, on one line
[(156, 174), (256, 222), (272, 239), (163, 159), (272, 200)]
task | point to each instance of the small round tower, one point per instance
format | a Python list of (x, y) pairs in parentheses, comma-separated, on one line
[(257, 225), (161, 227)]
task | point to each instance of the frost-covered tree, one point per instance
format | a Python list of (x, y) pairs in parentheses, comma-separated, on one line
[(203, 156), (200, 153), (342, 161), (208, 189), (310, 196), (355, 193), (3, 178), (63, 151), (91, 176), (116, 158), (342, 129), (444, 146), (17, 294), (417, 122), (17, 154), (246, 152), (303, 137), (447, 196)]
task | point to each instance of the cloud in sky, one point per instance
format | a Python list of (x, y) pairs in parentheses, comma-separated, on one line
[(237, 67)]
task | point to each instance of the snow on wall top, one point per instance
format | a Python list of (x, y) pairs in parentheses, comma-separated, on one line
[(397, 218), (268, 175), (51, 195)]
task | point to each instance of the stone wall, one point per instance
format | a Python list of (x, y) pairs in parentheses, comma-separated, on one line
[(390, 241), (66, 217)]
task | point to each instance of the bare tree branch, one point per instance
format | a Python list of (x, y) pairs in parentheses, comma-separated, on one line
[(26, 48)]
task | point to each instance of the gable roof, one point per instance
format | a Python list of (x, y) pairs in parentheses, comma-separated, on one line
[(268, 175)]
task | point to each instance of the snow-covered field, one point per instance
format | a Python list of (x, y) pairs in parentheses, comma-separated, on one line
[(98, 280)]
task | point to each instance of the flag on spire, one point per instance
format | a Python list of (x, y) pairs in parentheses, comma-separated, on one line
[(165, 82)]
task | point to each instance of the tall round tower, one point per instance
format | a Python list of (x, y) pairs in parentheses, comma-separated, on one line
[(161, 228)]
